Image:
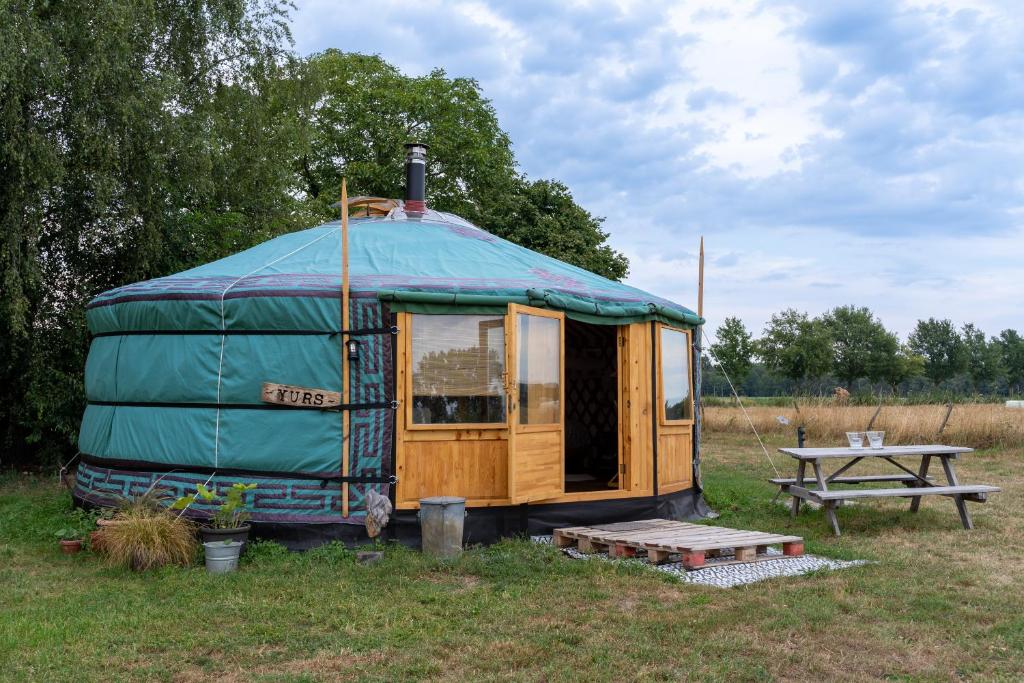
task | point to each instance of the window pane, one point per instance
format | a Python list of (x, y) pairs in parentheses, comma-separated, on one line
[(458, 363), (675, 375), (539, 356)]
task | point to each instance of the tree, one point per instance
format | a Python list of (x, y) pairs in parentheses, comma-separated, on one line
[(942, 348), (1011, 348), (984, 359), (734, 349), (136, 138), (360, 111), (795, 346), (543, 216), (904, 365), (861, 346)]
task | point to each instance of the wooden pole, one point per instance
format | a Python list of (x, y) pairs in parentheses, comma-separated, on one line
[(700, 280), (344, 349)]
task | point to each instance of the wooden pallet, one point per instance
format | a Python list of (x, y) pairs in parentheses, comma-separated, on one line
[(660, 538)]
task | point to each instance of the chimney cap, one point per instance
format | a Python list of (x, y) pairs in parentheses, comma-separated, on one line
[(416, 150)]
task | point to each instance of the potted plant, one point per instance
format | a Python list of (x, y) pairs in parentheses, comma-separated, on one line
[(139, 532), (70, 540), (144, 537), (227, 530)]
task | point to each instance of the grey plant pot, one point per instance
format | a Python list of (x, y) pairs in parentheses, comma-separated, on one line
[(222, 556), (211, 535)]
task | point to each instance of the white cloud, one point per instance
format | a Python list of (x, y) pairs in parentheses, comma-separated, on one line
[(833, 153)]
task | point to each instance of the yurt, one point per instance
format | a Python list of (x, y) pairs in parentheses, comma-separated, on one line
[(543, 394)]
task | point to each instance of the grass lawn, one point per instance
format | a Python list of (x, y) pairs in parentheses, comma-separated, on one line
[(939, 604)]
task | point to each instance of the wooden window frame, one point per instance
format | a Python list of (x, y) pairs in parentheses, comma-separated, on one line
[(662, 420), (512, 351), (410, 423)]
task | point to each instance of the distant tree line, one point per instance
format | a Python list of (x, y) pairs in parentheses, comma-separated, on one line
[(850, 347), (139, 138)]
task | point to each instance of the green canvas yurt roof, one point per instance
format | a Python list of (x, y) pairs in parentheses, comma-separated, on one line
[(431, 262)]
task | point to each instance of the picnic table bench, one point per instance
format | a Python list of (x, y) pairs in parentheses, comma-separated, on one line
[(915, 484)]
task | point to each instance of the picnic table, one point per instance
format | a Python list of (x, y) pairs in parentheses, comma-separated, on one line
[(915, 483)]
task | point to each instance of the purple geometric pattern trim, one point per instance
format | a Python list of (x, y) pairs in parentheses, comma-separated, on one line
[(273, 499)]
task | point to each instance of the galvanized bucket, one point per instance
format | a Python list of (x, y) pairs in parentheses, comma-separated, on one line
[(222, 556), (441, 522)]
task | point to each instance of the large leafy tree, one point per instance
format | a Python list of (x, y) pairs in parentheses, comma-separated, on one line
[(984, 359), (358, 113), (942, 348), (1011, 348), (796, 346), (543, 216), (734, 349), (861, 346), (136, 137)]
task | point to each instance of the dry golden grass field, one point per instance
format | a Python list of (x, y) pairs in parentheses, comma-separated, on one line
[(982, 425)]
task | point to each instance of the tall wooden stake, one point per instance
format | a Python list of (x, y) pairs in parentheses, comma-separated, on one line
[(700, 280), (344, 349)]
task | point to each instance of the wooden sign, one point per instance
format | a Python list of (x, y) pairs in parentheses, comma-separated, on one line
[(288, 395)]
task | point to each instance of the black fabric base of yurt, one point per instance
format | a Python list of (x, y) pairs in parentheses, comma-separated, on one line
[(489, 524)]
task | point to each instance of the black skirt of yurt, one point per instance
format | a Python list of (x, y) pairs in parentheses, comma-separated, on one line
[(489, 524)]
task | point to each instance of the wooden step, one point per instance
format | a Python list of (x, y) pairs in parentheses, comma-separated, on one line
[(661, 538)]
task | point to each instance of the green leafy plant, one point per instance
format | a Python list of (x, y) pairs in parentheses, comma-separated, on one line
[(230, 512), (77, 525)]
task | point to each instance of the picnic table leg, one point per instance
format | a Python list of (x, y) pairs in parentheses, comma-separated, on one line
[(830, 505), (915, 502), (961, 506), (795, 506)]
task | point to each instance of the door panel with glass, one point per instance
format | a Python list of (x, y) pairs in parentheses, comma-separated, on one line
[(535, 348)]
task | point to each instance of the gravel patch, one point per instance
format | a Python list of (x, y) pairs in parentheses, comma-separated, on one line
[(714, 573)]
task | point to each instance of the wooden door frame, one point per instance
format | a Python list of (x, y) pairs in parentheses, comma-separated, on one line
[(513, 408)]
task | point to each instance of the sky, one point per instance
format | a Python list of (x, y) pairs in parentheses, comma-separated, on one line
[(849, 152)]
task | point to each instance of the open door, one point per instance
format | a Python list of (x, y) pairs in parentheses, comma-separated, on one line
[(536, 403)]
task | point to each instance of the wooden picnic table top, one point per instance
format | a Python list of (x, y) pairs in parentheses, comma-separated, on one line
[(868, 452)]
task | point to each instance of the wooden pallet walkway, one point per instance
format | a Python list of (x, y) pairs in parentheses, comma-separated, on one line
[(660, 538)]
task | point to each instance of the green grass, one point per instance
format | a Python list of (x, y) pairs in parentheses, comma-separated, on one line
[(939, 604)]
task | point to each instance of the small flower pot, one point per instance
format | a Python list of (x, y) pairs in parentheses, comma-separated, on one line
[(222, 556), (70, 547), (211, 535)]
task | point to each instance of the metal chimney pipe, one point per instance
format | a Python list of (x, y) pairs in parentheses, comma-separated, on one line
[(415, 177)]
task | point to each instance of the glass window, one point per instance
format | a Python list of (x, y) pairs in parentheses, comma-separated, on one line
[(458, 365), (539, 359), (675, 374)]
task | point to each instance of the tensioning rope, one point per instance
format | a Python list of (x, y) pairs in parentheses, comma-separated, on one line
[(223, 337), (707, 345)]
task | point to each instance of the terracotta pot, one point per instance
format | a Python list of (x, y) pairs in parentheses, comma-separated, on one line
[(96, 541), (108, 522), (70, 547)]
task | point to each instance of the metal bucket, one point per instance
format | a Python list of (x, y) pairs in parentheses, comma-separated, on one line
[(441, 521), (222, 556)]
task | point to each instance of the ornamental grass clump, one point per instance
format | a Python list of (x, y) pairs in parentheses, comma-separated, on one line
[(144, 539)]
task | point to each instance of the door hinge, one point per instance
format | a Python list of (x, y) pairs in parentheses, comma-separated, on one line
[(622, 341), (622, 468)]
